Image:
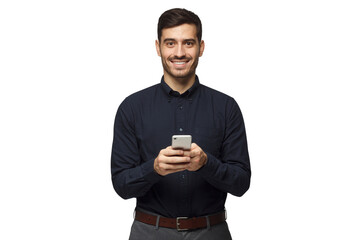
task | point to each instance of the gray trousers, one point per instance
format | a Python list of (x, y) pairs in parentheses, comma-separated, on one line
[(142, 231)]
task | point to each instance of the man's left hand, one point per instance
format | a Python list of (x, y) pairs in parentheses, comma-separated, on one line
[(198, 157)]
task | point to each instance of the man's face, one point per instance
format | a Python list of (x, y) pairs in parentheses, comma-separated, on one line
[(180, 50)]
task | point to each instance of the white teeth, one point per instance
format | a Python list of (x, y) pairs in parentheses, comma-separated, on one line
[(179, 63)]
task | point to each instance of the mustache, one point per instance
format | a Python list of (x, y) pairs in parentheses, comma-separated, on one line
[(180, 58)]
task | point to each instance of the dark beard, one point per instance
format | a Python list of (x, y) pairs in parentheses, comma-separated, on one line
[(181, 78)]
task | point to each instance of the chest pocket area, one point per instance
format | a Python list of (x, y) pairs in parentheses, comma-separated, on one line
[(209, 139)]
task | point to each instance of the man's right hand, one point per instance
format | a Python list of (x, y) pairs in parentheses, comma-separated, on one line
[(170, 160)]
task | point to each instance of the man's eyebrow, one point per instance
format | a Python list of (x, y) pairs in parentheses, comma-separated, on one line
[(174, 40), (169, 40)]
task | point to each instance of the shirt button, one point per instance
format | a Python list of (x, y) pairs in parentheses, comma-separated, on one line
[(180, 129), (181, 107)]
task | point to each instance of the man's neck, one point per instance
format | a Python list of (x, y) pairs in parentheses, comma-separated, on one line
[(179, 85)]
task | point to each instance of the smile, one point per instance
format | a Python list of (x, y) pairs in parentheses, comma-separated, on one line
[(180, 64)]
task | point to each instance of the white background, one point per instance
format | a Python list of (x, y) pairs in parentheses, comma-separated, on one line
[(292, 66)]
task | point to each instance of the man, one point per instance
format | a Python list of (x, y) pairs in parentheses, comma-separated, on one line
[(180, 193)]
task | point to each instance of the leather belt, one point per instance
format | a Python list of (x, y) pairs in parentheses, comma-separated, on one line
[(180, 223)]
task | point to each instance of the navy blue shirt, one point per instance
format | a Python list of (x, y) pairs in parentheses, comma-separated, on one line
[(145, 123)]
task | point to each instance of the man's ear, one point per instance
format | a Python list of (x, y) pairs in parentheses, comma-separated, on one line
[(157, 45), (202, 47)]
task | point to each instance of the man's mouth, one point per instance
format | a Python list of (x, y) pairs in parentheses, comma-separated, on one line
[(179, 63)]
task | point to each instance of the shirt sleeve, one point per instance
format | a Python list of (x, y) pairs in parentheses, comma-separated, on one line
[(231, 172), (131, 175)]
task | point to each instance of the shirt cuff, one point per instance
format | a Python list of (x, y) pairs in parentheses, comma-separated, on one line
[(147, 169), (210, 167)]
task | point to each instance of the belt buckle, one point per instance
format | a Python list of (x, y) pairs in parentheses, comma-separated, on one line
[(178, 224)]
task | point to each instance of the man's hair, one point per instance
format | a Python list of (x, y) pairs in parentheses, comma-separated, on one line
[(176, 17)]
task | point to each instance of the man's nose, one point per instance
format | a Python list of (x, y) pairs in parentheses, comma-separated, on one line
[(180, 51)]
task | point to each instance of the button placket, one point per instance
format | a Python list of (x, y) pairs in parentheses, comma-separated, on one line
[(180, 116)]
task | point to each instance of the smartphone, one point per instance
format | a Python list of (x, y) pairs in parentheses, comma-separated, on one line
[(181, 142)]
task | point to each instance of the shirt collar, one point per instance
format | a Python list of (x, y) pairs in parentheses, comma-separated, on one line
[(190, 91)]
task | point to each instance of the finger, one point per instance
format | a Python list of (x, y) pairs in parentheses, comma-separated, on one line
[(173, 152), (187, 153), (193, 146), (174, 171), (173, 159), (176, 160), (173, 167), (194, 153)]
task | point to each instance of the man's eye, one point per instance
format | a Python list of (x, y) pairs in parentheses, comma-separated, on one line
[(170, 44), (189, 43)]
